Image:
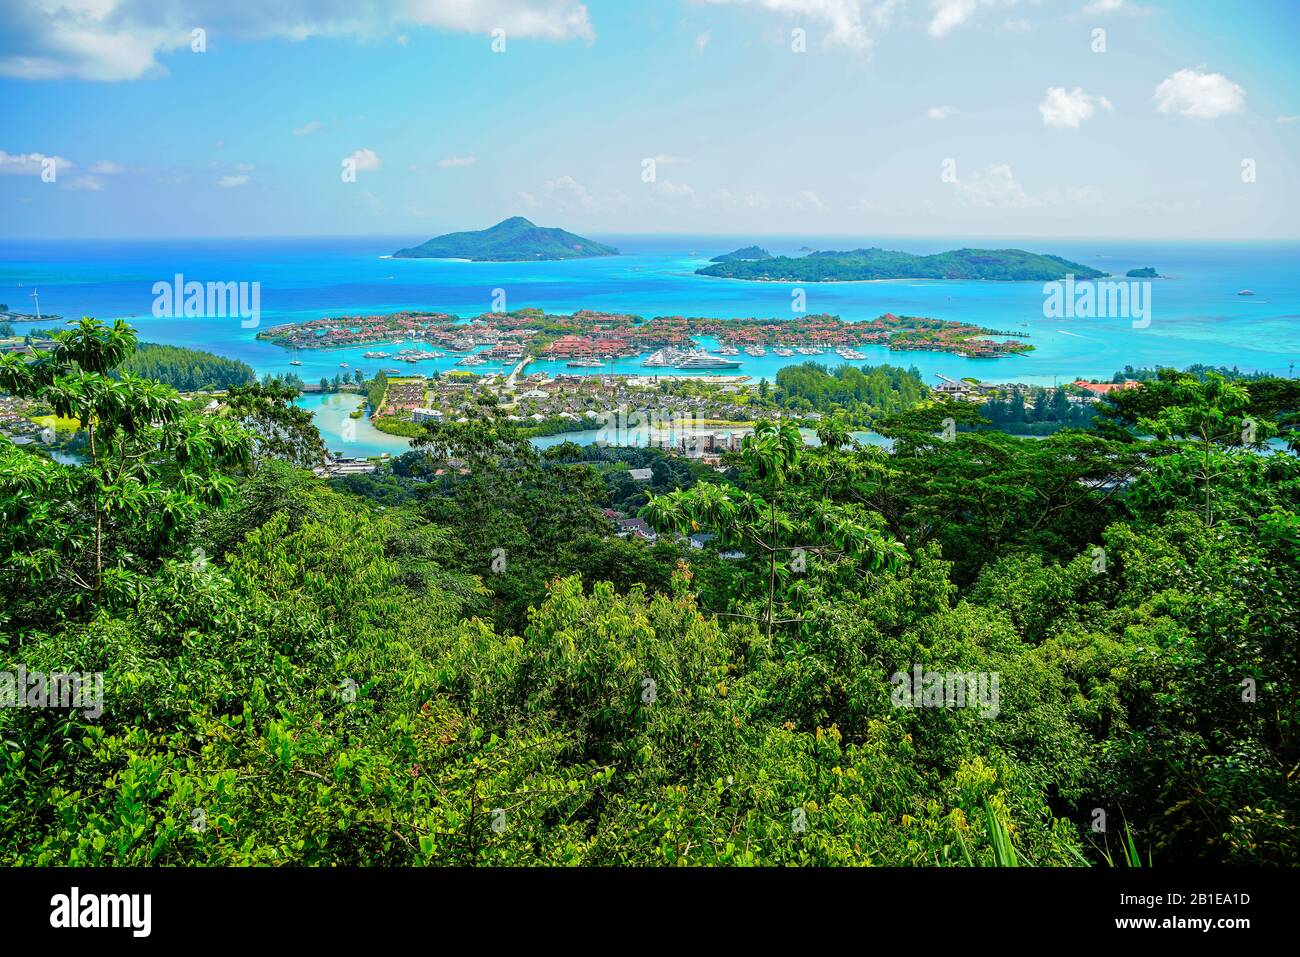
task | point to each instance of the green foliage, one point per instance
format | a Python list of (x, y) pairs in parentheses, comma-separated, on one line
[(75, 536), (862, 394), (186, 370), (457, 661)]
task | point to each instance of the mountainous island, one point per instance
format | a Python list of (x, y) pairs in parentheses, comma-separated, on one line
[(1146, 272), (748, 253), (511, 240), (1003, 265)]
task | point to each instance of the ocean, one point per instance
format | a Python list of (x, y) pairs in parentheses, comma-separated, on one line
[(1196, 314)]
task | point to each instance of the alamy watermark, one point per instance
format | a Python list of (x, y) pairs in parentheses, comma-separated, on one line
[(211, 300), (74, 690), (1098, 299), (946, 689)]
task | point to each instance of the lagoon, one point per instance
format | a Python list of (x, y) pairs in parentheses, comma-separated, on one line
[(1196, 315)]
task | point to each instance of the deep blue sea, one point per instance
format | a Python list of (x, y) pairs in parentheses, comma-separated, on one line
[(1196, 314)]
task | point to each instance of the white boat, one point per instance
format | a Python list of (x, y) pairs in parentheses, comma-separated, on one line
[(702, 360), (658, 358), (295, 362)]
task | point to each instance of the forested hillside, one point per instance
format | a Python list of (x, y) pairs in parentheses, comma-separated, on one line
[(460, 662)]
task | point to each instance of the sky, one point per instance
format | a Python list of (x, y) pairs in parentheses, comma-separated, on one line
[(1088, 118)]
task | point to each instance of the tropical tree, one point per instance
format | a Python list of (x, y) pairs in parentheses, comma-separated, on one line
[(153, 463)]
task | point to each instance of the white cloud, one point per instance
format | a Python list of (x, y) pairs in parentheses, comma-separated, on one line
[(997, 187), (567, 194), (30, 164), (847, 23), (112, 40), (702, 41), (229, 182), (1069, 109), (1288, 119), (1103, 7), (1200, 95), (108, 168), (308, 128), (731, 202), (948, 15), (451, 162), (680, 191), (668, 159), (940, 112), (365, 160), (807, 199), (92, 184)]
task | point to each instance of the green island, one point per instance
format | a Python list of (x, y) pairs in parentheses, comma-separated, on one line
[(746, 253), (586, 334), (1146, 272), (511, 240), (1000, 265)]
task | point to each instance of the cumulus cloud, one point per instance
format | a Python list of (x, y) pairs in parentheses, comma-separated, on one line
[(230, 182), (1200, 95), (807, 199), (452, 162), (848, 23), (113, 40), (1069, 109), (940, 112), (92, 184), (948, 15), (676, 191), (997, 187), (365, 160), (567, 194), (30, 164), (108, 168)]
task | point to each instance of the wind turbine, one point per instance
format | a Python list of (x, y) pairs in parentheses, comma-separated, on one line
[(36, 294)]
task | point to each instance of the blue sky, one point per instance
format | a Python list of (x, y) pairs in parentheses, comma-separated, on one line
[(899, 117)]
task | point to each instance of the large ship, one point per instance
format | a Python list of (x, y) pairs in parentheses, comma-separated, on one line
[(702, 360)]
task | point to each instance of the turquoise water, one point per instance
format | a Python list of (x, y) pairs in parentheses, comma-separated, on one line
[(1196, 314)]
